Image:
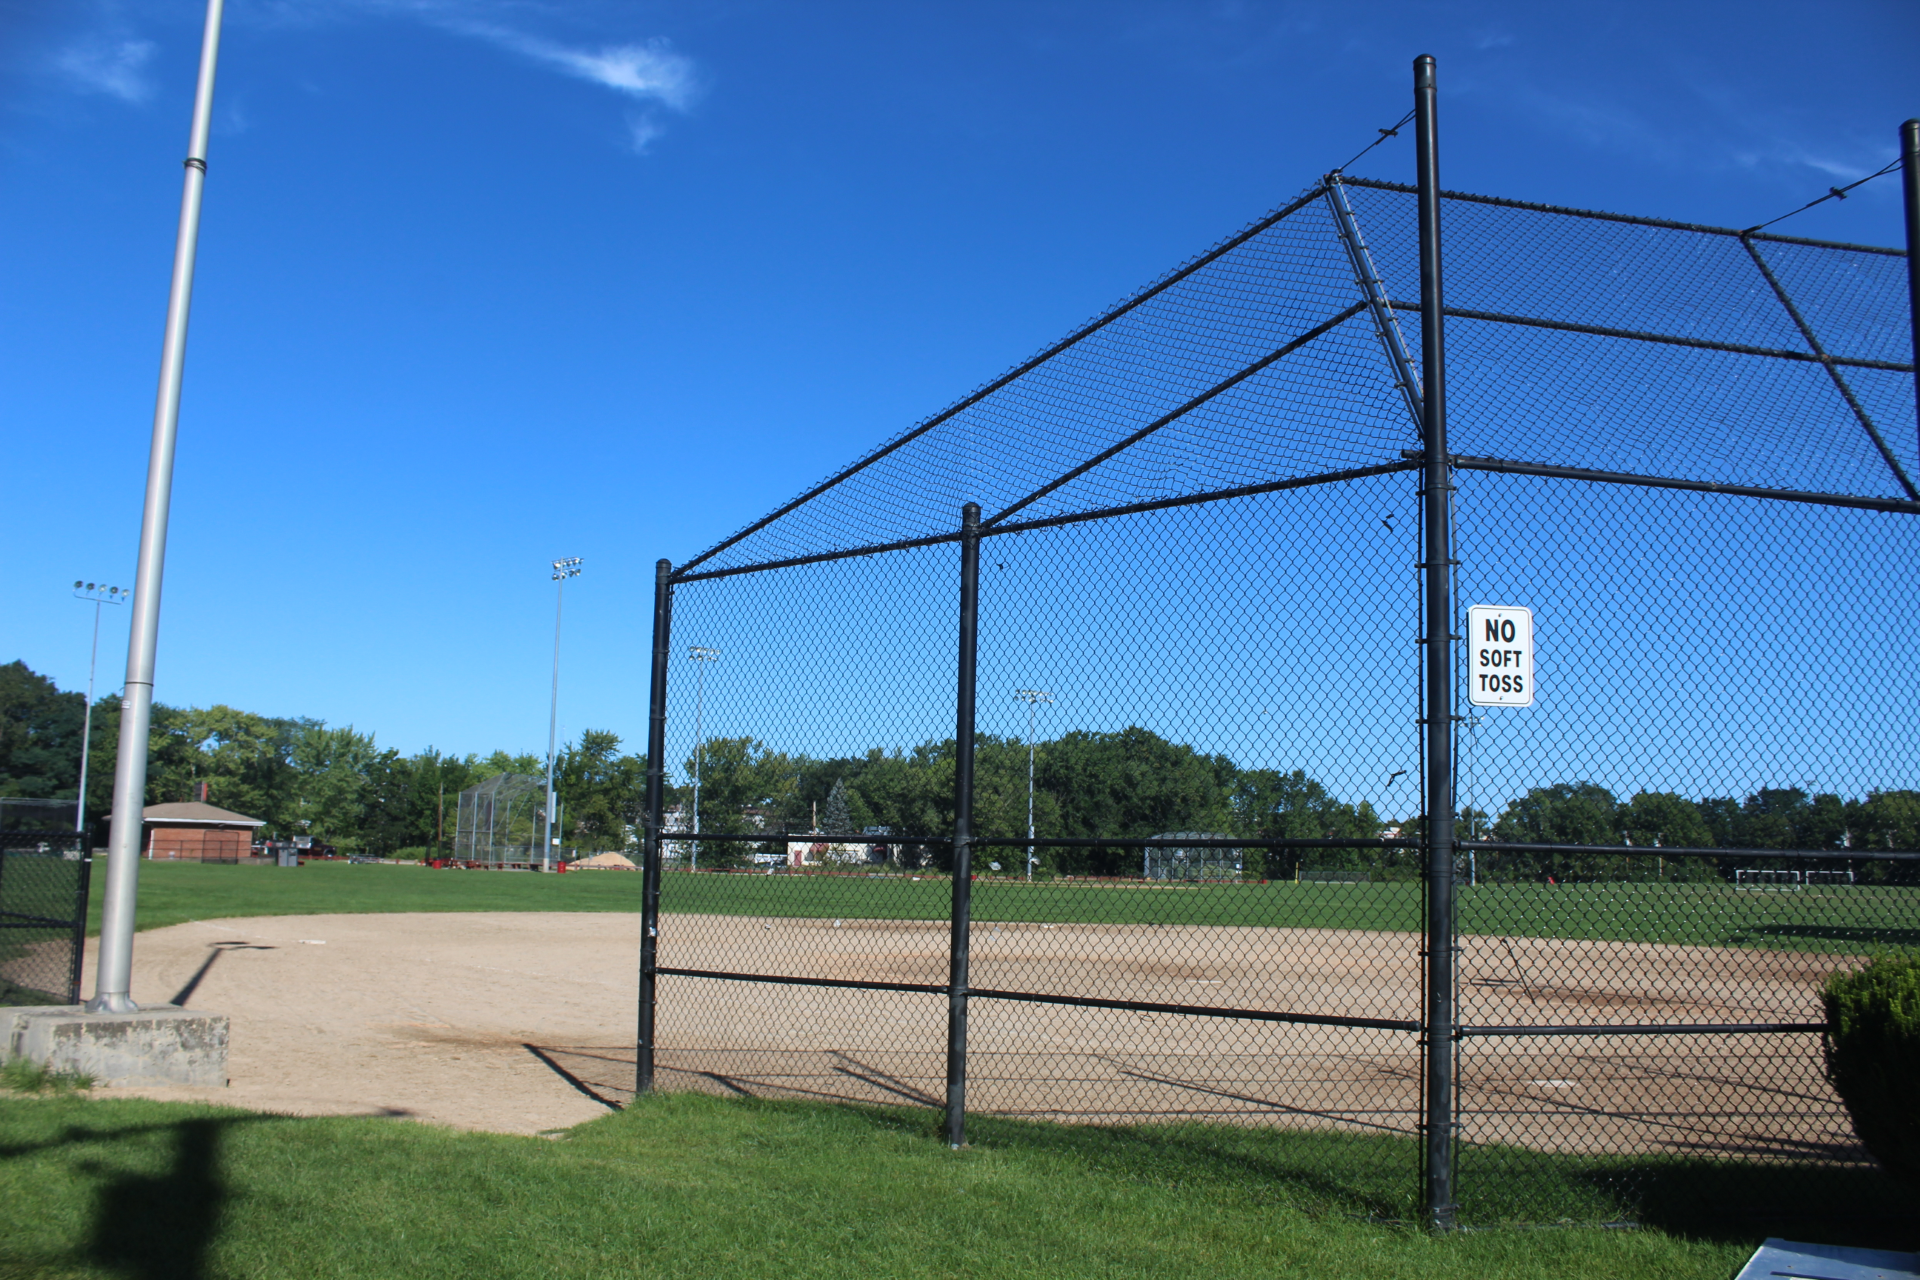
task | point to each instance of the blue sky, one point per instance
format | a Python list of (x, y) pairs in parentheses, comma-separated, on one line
[(487, 282)]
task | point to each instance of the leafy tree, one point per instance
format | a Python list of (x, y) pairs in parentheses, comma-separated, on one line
[(1663, 818), (39, 735), (1130, 783), (602, 793), (1270, 805), (1888, 820), (1564, 813)]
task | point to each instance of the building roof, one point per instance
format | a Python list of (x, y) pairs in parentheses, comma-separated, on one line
[(192, 813)]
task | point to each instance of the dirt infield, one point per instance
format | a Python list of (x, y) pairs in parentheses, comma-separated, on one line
[(522, 1022)]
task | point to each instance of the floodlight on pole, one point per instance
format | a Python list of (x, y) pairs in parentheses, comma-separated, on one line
[(702, 655), (119, 900), (1033, 698), (99, 593), (562, 570)]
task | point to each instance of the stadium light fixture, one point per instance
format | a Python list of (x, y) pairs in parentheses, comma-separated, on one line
[(562, 570), (1033, 698)]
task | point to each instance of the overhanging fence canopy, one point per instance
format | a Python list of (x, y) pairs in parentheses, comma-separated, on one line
[(1229, 533)]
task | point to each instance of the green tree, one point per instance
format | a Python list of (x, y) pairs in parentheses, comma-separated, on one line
[(1270, 805), (1130, 783), (1664, 818), (1564, 813), (1888, 820), (601, 792), (330, 780), (39, 736)]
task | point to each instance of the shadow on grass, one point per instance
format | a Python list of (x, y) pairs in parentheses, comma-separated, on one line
[(1327, 1172), (152, 1226), (1719, 1200), (1321, 1172)]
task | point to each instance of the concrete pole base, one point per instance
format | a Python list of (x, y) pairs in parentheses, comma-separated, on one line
[(159, 1044)]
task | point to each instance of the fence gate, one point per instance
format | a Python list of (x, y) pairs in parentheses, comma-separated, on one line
[(1545, 904), (43, 916)]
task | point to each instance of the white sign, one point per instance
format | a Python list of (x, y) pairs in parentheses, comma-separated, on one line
[(1499, 656)]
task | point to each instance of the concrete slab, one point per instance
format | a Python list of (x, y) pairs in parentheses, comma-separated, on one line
[(1792, 1260), (160, 1045)]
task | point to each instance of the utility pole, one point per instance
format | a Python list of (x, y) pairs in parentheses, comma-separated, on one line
[(115, 974)]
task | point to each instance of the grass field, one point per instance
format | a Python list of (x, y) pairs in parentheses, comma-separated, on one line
[(687, 1186), (1840, 919)]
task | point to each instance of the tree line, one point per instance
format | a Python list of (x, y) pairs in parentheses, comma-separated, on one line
[(299, 775), (303, 777)]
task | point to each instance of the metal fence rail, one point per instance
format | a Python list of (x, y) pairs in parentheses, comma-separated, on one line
[(1138, 770), (43, 916)]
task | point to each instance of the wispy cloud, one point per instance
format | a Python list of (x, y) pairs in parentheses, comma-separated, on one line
[(116, 68), (642, 129), (650, 71)]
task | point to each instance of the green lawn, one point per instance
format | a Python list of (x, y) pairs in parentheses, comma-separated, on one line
[(691, 1186), (1839, 919)]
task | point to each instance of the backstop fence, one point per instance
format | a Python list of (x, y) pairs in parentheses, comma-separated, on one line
[(1456, 675), (43, 916)]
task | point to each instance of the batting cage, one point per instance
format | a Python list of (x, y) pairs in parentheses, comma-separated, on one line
[(1355, 686)]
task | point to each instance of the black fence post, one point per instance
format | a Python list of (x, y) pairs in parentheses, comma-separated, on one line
[(1436, 490), (650, 856), (961, 925), (85, 881), (1910, 184)]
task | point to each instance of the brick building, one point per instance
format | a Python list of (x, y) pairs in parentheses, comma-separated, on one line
[(194, 831)]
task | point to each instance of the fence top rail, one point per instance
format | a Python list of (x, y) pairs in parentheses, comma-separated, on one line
[(1642, 851), (1630, 218)]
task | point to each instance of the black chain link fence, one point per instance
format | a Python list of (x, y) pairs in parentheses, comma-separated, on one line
[(1156, 851), (43, 916)]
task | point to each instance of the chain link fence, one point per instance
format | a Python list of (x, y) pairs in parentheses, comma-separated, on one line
[(1075, 754), (43, 916)]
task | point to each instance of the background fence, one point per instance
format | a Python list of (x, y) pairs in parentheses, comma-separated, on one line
[(1195, 581), (43, 916)]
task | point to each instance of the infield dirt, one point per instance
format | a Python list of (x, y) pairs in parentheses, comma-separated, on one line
[(523, 1022)]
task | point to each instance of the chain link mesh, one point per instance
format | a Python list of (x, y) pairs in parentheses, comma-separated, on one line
[(1197, 800), (43, 901)]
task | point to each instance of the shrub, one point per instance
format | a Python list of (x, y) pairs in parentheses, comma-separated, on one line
[(1873, 1057)]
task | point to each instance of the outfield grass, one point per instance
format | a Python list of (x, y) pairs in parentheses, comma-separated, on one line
[(1837, 919), (691, 1186)]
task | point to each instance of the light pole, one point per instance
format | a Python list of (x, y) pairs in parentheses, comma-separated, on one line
[(114, 973), (1033, 698), (100, 593), (562, 570), (701, 656)]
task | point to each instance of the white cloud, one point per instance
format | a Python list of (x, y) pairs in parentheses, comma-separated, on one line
[(651, 71), (642, 129), (113, 67)]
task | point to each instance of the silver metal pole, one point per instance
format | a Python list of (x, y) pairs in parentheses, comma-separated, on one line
[(86, 728), (553, 723), (699, 750), (111, 991), (1030, 711)]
